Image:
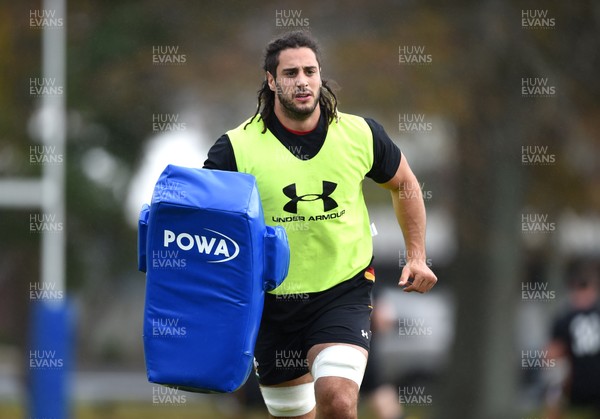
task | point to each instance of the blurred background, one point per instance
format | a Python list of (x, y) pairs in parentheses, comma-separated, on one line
[(494, 103)]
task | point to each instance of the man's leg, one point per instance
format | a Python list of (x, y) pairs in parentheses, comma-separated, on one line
[(338, 370), (291, 399)]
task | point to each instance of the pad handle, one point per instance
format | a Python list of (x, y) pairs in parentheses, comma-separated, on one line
[(277, 257), (143, 236)]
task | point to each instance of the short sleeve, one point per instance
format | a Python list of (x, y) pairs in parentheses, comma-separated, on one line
[(386, 154), (221, 156)]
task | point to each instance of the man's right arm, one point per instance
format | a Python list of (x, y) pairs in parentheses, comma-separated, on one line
[(221, 156)]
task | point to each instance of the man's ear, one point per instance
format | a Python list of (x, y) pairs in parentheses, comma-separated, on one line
[(271, 82)]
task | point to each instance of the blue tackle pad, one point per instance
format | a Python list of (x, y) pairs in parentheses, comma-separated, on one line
[(208, 258)]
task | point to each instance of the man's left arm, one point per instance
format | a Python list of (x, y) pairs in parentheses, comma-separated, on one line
[(409, 208)]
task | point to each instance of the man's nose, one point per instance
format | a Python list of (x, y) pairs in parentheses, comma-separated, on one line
[(301, 81)]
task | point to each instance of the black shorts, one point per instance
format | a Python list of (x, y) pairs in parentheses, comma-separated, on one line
[(293, 323)]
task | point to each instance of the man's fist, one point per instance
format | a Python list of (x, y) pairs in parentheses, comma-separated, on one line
[(416, 276)]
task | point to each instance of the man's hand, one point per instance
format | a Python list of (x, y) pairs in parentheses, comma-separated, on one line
[(416, 276), (410, 213)]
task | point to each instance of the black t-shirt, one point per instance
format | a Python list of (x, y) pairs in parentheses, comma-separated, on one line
[(386, 155), (579, 330)]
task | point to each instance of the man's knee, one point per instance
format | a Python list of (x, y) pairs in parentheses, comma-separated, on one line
[(336, 397), (338, 371)]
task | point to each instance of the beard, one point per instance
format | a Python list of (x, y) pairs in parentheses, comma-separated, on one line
[(294, 111)]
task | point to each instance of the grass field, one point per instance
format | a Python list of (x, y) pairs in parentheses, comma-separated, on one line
[(133, 410), (139, 411), (149, 411)]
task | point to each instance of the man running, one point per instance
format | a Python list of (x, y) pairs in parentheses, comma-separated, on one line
[(310, 161)]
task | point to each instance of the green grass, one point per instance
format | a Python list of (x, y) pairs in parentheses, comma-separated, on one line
[(132, 410)]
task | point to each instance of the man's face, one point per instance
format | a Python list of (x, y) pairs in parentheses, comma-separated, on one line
[(297, 84)]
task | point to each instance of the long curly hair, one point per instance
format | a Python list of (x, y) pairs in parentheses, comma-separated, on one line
[(266, 97)]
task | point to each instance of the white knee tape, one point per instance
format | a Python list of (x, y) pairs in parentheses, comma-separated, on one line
[(340, 361), (289, 401)]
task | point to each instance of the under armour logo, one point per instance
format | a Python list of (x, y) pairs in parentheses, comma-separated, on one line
[(365, 334), (328, 203)]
